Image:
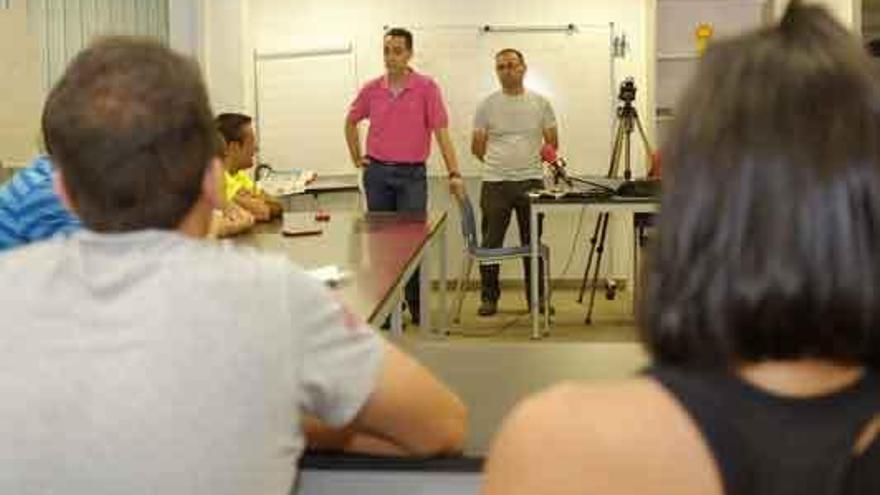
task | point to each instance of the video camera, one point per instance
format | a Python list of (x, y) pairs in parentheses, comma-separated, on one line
[(627, 90)]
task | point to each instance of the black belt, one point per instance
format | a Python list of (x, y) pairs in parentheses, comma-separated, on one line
[(383, 162)]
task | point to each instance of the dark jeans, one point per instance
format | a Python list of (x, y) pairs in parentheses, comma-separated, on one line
[(392, 187), (497, 201)]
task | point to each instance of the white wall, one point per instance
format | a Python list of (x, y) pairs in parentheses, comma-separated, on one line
[(186, 27), (228, 48), (20, 85), (278, 25)]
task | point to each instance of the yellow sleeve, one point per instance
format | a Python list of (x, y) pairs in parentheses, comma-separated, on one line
[(236, 182)]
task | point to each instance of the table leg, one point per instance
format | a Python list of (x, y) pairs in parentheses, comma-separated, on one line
[(444, 278), (534, 244)]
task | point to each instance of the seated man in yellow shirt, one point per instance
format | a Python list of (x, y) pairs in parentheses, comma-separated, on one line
[(238, 131), (228, 219)]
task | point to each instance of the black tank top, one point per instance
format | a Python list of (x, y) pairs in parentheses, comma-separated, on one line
[(765, 444)]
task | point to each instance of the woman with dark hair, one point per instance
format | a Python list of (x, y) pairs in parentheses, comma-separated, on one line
[(762, 294)]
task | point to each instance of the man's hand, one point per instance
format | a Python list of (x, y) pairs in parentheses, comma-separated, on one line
[(360, 162), (456, 187)]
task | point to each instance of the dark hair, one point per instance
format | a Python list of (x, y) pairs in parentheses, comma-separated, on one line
[(769, 233), (402, 33), (514, 51), (220, 146), (231, 126), (129, 126), (873, 47)]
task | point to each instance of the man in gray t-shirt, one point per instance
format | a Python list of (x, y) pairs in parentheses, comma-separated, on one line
[(510, 127), (141, 359)]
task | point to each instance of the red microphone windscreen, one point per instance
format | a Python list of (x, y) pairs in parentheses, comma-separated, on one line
[(548, 153)]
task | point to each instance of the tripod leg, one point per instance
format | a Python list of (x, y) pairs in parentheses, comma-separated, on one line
[(615, 150), (590, 258), (627, 170), (599, 250), (644, 137)]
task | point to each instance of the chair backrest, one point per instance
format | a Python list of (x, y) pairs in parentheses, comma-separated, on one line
[(468, 222)]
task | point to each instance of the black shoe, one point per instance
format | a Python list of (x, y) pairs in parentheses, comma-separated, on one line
[(387, 324), (414, 312), (488, 307)]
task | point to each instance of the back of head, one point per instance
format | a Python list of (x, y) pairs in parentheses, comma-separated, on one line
[(231, 126), (769, 234), (129, 126)]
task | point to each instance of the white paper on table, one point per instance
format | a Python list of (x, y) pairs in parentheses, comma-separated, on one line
[(330, 275)]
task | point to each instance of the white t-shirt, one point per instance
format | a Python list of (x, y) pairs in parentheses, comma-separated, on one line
[(148, 363), (515, 127)]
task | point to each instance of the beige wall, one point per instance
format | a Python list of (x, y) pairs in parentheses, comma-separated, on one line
[(20, 85)]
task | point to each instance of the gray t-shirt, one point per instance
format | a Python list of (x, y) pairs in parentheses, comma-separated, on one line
[(515, 127), (148, 363)]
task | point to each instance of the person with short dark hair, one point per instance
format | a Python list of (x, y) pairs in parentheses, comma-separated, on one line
[(404, 108), (241, 145), (229, 218), (510, 128), (139, 358), (762, 298)]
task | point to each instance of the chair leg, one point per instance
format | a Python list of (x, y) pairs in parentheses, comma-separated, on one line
[(546, 282), (467, 264)]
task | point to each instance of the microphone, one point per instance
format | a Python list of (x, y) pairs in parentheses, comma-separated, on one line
[(556, 164)]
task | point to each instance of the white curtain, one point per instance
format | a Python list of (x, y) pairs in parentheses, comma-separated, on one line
[(67, 26)]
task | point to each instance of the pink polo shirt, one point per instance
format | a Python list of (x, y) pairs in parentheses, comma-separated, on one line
[(400, 126)]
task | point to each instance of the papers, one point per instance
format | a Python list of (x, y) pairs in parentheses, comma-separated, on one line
[(287, 182), (330, 275)]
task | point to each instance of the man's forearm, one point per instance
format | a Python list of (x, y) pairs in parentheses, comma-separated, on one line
[(322, 437), (448, 151), (353, 140)]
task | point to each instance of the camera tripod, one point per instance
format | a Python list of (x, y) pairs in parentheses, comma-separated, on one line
[(627, 120)]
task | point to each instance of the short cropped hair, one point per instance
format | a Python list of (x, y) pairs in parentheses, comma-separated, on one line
[(514, 51), (231, 126), (768, 244), (129, 126), (402, 33)]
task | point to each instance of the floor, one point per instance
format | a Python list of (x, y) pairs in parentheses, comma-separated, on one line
[(492, 363)]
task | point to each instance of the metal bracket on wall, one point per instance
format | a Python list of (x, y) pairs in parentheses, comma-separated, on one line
[(619, 46), (563, 28)]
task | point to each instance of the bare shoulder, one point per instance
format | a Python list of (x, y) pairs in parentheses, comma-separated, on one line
[(621, 437)]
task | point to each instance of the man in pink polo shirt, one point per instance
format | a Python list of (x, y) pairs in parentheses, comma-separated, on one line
[(404, 108)]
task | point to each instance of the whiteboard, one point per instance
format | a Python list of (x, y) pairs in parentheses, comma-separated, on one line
[(301, 102), (573, 70), (302, 98)]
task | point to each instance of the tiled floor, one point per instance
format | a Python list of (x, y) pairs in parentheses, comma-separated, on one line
[(492, 363), (613, 320)]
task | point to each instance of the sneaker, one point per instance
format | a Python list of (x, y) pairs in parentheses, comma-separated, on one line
[(488, 308)]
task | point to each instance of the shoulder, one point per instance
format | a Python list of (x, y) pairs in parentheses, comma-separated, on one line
[(491, 98), (608, 430), (608, 409), (424, 81), (37, 175), (538, 98), (489, 102), (372, 84), (242, 262)]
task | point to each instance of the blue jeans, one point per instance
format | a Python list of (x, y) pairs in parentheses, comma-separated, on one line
[(398, 188)]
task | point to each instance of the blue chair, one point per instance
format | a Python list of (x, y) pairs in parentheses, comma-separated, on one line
[(487, 256)]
